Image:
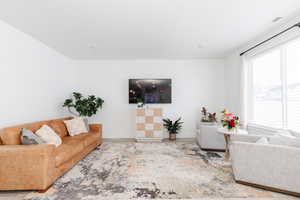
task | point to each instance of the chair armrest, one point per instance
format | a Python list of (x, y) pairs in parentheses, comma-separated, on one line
[(96, 127), (26, 166)]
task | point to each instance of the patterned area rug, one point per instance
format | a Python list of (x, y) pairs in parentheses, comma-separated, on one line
[(151, 171)]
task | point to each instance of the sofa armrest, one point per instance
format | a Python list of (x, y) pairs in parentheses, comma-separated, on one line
[(245, 138), (26, 166), (268, 165), (96, 127)]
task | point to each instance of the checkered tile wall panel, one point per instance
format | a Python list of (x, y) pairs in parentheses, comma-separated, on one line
[(149, 122)]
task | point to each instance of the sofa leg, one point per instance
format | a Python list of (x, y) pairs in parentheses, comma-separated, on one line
[(296, 194), (45, 190)]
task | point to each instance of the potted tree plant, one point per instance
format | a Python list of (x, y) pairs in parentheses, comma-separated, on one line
[(173, 128), (84, 106)]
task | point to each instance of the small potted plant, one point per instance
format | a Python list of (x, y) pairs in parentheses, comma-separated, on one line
[(229, 121), (140, 102), (84, 106), (173, 128), (208, 118)]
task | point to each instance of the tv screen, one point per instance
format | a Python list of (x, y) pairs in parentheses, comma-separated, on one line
[(150, 90)]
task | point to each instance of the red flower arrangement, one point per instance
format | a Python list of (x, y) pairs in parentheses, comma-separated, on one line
[(229, 121)]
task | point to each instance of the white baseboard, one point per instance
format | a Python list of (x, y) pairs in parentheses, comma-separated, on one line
[(134, 140)]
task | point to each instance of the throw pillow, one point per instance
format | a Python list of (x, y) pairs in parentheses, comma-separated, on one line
[(48, 135), (285, 141), (295, 134), (28, 137), (86, 122), (284, 132), (76, 126), (262, 140)]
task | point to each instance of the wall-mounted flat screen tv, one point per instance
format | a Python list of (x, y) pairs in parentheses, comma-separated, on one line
[(150, 90)]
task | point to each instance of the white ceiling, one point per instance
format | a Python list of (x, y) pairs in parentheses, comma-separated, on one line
[(144, 29)]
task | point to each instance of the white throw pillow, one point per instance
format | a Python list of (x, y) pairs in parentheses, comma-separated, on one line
[(284, 140), (76, 126), (284, 132), (262, 140), (295, 134), (48, 135)]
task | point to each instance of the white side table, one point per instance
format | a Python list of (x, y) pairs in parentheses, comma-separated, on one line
[(227, 135)]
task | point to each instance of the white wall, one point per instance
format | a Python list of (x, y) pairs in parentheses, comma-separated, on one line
[(232, 83), (195, 83), (34, 79)]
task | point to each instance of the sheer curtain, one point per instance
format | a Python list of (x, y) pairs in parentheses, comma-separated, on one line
[(244, 91)]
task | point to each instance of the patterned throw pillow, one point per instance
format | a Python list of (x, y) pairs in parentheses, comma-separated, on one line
[(76, 126), (48, 135), (28, 137)]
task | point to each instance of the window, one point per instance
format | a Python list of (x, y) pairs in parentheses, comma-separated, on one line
[(293, 85), (275, 87)]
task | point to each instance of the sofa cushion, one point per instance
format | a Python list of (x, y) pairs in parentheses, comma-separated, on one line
[(59, 127), (69, 148), (88, 138)]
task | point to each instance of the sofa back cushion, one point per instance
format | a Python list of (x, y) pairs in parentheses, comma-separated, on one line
[(12, 135), (285, 141), (59, 127)]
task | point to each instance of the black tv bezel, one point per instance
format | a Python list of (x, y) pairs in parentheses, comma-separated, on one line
[(151, 79)]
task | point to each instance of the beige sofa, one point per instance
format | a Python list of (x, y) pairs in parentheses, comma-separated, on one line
[(36, 167), (271, 167)]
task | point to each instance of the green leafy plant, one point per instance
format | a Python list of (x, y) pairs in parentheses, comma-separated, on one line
[(140, 102), (85, 106), (173, 128)]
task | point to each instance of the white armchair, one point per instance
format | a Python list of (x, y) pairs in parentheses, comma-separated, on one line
[(267, 166), (209, 139)]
